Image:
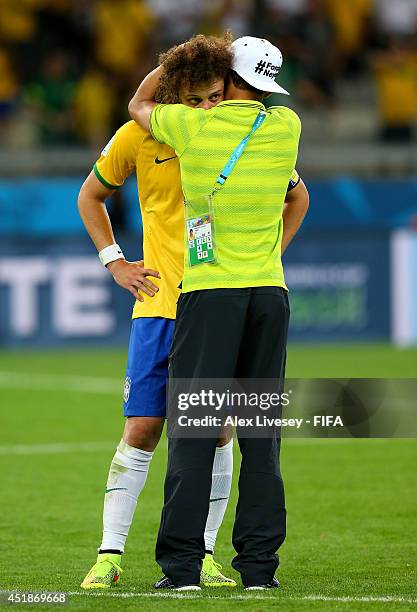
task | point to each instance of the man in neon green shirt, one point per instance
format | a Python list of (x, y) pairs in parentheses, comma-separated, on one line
[(232, 316)]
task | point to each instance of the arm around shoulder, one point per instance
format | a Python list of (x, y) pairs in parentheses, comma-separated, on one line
[(143, 102)]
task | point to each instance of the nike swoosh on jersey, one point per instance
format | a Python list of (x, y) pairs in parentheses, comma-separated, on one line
[(116, 489), (161, 161)]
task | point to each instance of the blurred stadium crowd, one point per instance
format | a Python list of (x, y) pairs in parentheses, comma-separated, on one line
[(68, 67)]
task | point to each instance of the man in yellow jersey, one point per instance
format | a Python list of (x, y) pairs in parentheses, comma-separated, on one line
[(233, 314), (154, 283)]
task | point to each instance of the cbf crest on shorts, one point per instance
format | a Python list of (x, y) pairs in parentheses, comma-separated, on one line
[(126, 388)]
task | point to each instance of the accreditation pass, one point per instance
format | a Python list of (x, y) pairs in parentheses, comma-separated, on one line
[(200, 240)]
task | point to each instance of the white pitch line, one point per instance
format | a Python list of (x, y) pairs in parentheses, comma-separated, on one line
[(56, 448), (243, 596), (56, 382), (383, 599)]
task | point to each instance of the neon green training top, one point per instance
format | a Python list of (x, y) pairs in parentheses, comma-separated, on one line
[(248, 208)]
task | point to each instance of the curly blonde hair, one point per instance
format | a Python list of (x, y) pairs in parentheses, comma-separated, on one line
[(199, 61)]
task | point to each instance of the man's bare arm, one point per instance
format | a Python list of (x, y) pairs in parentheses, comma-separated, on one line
[(295, 209), (91, 205), (143, 102)]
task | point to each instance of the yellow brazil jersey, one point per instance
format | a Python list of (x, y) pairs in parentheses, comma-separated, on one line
[(130, 150)]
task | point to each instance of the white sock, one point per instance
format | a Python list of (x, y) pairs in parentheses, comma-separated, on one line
[(127, 477), (220, 491)]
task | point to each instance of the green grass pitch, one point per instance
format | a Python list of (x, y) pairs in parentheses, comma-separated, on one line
[(352, 520)]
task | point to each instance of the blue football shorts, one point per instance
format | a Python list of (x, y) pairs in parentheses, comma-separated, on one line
[(147, 367)]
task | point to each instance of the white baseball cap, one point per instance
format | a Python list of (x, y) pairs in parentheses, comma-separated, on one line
[(258, 62)]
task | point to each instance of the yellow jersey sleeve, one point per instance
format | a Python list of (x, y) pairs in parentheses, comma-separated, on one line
[(118, 158), (290, 117), (295, 123), (176, 124)]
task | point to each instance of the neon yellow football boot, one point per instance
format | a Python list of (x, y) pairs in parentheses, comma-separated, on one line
[(105, 573), (211, 575)]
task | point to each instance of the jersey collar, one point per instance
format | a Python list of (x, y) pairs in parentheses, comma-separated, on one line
[(245, 103)]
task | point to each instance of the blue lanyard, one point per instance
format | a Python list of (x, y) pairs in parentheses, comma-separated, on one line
[(237, 153)]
